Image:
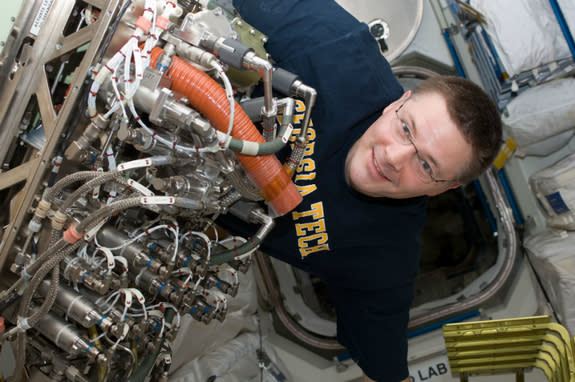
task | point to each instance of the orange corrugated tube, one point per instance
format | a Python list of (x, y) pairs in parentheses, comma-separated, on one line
[(209, 98)]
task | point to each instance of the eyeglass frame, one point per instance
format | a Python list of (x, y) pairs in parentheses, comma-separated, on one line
[(406, 130)]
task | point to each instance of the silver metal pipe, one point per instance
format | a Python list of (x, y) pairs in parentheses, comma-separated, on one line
[(265, 70), (65, 336), (135, 253), (77, 307), (267, 223)]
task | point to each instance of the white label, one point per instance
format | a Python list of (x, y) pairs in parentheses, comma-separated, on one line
[(157, 200), (286, 136), (41, 17), (138, 163), (250, 148), (429, 372)]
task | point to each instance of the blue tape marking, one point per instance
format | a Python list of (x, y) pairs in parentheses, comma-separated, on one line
[(563, 25), (453, 53), (151, 247), (438, 325)]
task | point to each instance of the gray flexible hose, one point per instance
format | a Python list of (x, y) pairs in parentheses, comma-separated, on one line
[(68, 180), (32, 268), (103, 178), (46, 306), (106, 211), (224, 257)]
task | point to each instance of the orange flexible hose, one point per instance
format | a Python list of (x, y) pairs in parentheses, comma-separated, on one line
[(210, 99)]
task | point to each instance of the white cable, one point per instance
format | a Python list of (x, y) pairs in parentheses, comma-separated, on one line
[(230, 95), (109, 256), (141, 300), (127, 301), (225, 241), (176, 233), (181, 271), (187, 281), (146, 232), (124, 263), (176, 312), (230, 270)]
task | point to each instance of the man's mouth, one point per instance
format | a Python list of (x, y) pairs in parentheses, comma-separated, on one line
[(377, 168)]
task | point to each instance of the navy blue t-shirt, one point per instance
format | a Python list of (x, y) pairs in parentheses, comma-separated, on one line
[(365, 249)]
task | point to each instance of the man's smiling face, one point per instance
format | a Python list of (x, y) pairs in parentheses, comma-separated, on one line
[(384, 162)]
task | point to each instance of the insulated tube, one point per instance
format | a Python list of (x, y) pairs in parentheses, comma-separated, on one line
[(206, 95)]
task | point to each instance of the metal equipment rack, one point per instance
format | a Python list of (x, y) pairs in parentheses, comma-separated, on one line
[(491, 70)]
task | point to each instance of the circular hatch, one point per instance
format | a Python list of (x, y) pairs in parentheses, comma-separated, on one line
[(392, 23)]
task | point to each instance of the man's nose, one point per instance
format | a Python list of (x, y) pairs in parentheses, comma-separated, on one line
[(398, 155)]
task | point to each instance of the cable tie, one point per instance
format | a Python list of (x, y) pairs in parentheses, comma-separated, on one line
[(25, 274), (23, 323)]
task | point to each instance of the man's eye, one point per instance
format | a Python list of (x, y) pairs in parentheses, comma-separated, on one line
[(406, 130), (426, 167)]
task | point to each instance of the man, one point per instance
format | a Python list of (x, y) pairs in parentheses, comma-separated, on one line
[(366, 173)]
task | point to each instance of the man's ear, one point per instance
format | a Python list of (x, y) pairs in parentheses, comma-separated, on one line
[(452, 186), (444, 189), (395, 104)]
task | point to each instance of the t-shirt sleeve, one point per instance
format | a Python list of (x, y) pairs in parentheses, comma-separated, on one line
[(373, 327), (331, 51), (295, 26)]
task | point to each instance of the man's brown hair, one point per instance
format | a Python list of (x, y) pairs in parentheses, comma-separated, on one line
[(476, 116)]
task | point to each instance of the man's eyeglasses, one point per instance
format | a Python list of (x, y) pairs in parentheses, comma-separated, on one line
[(422, 168)]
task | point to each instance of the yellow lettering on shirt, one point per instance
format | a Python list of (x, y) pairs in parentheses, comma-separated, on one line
[(317, 226), (318, 248), (306, 165), (306, 190), (316, 212), (319, 238), (310, 225), (310, 176)]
